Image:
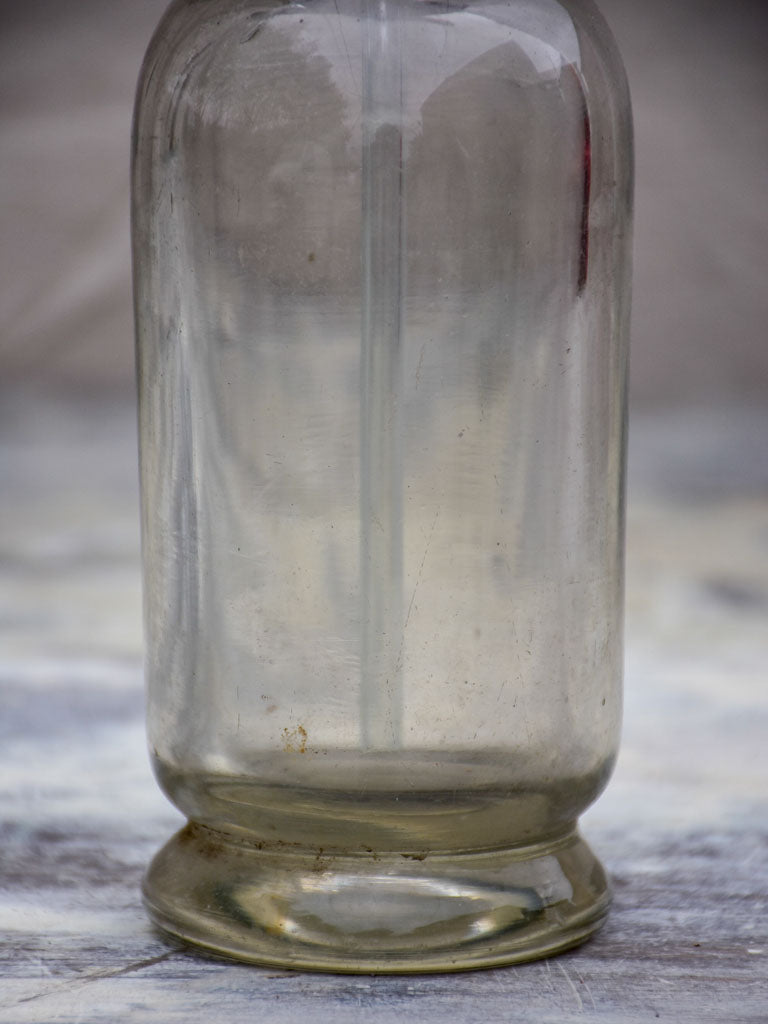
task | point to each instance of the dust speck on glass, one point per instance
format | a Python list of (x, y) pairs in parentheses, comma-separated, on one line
[(381, 259)]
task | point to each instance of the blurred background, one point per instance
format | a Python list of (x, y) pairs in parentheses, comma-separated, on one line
[(699, 79), (698, 510)]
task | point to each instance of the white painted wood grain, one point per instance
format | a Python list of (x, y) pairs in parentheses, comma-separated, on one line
[(683, 827)]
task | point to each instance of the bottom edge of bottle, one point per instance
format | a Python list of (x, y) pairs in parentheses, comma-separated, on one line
[(388, 913)]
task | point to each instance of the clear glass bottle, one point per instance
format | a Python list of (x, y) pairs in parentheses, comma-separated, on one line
[(381, 277)]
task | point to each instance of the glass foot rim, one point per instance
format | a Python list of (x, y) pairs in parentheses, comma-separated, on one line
[(533, 902)]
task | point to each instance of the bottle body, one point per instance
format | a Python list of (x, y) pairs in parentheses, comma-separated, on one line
[(381, 262)]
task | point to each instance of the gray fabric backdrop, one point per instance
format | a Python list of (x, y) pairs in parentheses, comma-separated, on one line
[(699, 77)]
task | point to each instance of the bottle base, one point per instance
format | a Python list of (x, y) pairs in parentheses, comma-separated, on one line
[(276, 905)]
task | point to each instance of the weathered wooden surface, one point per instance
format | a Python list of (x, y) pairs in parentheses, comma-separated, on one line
[(683, 827)]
